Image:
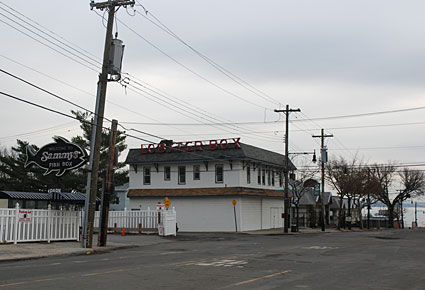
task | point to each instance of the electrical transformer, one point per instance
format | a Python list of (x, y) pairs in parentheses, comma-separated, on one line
[(115, 59)]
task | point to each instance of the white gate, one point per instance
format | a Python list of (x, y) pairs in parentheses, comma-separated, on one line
[(32, 225)]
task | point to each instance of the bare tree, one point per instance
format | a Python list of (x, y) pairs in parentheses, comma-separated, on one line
[(299, 189), (384, 175)]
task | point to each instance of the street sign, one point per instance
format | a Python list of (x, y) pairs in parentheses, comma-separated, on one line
[(167, 203), (316, 189), (25, 215), (234, 202)]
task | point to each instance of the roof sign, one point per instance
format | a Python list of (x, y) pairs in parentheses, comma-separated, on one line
[(190, 146)]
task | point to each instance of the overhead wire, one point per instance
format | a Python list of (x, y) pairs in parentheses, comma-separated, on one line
[(214, 64)]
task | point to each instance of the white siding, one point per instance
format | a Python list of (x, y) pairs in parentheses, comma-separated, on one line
[(251, 213), (215, 214), (234, 175), (271, 208), (198, 214), (4, 203)]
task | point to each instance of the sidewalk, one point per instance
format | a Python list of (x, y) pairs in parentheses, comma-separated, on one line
[(26, 251)]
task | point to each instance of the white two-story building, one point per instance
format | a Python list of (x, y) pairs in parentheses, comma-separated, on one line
[(204, 179)]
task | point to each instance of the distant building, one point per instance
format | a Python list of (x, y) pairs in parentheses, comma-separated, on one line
[(201, 179)]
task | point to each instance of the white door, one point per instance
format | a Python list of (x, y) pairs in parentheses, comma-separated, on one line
[(276, 217)]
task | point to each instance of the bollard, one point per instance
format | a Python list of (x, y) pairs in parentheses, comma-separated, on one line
[(123, 231)]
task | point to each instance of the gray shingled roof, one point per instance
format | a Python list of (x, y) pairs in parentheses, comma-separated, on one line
[(72, 197), (245, 153), (25, 195)]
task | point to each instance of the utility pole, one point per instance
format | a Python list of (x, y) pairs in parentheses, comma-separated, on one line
[(322, 136), (287, 111), (109, 188), (91, 188)]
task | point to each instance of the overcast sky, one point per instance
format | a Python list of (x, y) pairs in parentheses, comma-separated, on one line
[(328, 58)]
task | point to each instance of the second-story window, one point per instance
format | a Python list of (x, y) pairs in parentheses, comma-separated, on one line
[(219, 178), (182, 175), (248, 175), (196, 172), (269, 177), (259, 175), (272, 177), (146, 175), (167, 173), (263, 179)]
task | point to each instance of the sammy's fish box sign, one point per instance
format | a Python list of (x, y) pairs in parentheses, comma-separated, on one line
[(59, 156), (168, 146)]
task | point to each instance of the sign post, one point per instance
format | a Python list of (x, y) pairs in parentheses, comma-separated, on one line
[(234, 211)]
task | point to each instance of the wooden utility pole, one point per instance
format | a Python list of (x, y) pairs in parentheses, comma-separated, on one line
[(323, 155), (109, 186), (92, 178), (287, 204)]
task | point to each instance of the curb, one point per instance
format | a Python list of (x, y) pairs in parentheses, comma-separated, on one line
[(91, 251)]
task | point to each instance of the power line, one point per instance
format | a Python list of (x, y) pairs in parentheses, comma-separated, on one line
[(214, 64), (189, 69)]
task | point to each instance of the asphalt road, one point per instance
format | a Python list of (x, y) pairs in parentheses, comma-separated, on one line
[(348, 260)]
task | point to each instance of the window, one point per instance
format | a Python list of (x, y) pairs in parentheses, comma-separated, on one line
[(259, 176), (219, 173), (146, 175), (280, 179), (167, 173), (196, 172), (182, 174), (268, 177), (272, 177), (248, 175), (264, 177)]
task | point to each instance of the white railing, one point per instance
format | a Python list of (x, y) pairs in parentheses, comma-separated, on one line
[(169, 220), (131, 220), (32, 225)]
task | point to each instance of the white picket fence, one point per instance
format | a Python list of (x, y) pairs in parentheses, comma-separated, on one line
[(32, 225), (137, 220)]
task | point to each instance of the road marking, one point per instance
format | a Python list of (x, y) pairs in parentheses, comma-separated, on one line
[(32, 281), (54, 264), (189, 263), (320, 248), (224, 263), (256, 279), (79, 261), (100, 273)]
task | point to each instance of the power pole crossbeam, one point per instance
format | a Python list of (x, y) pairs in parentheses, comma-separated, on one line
[(322, 136), (287, 111)]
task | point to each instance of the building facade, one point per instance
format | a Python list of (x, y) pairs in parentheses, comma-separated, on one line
[(203, 180)]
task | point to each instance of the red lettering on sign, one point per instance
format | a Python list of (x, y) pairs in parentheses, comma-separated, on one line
[(151, 148), (161, 147), (236, 144), (143, 152), (223, 144), (171, 147), (198, 145), (213, 145), (179, 145), (187, 147)]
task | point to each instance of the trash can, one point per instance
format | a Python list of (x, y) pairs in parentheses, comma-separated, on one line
[(294, 228)]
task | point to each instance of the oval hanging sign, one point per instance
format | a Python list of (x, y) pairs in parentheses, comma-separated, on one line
[(60, 156)]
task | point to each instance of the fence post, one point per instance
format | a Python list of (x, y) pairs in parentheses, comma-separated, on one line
[(49, 222), (15, 233)]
